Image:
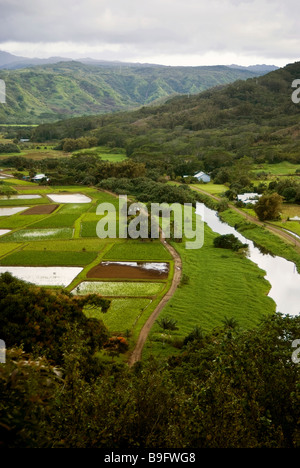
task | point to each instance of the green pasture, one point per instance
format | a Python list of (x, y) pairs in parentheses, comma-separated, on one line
[(104, 153), (292, 226), (283, 168), (217, 283), (18, 221), (211, 188), (70, 245), (8, 248), (123, 314), (138, 250), (18, 202), (56, 221)]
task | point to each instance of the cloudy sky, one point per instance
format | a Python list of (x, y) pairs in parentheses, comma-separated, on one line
[(169, 32)]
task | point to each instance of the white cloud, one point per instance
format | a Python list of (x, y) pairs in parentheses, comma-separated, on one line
[(168, 30)]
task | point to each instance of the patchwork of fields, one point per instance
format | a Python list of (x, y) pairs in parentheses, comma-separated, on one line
[(52, 241), (48, 237)]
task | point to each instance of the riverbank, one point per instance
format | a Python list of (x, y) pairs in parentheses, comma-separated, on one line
[(216, 283), (273, 239)]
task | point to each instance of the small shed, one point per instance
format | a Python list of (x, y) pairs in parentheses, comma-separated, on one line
[(201, 176), (39, 177)]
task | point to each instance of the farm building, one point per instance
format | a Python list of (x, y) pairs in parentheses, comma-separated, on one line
[(249, 198), (202, 177), (39, 177)]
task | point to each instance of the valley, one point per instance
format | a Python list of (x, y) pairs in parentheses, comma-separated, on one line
[(163, 345)]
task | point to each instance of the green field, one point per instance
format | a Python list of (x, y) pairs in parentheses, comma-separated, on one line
[(213, 189), (218, 283), (284, 168), (132, 250), (48, 258), (120, 288), (105, 154), (27, 235), (123, 314)]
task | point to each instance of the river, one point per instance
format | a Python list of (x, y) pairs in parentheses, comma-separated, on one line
[(280, 273)]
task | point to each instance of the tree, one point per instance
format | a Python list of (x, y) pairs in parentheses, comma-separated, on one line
[(41, 320), (269, 207), (7, 191), (167, 323)]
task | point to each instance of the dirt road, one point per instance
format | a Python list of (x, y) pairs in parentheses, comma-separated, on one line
[(137, 352)]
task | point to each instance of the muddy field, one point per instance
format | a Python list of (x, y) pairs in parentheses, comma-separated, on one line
[(130, 270), (42, 209)]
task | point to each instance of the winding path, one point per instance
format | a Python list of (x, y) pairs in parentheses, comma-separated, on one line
[(137, 352)]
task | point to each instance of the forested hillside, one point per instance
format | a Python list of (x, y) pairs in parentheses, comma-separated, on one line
[(256, 117), (69, 89)]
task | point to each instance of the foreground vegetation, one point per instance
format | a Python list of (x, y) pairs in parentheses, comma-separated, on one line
[(230, 388)]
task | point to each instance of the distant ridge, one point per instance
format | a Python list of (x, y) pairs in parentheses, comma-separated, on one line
[(10, 62), (260, 69), (54, 91)]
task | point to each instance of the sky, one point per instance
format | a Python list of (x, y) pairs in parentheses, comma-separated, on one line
[(167, 32)]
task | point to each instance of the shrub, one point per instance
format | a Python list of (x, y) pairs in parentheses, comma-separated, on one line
[(229, 241)]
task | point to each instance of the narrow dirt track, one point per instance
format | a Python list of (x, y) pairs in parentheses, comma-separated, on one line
[(137, 352)]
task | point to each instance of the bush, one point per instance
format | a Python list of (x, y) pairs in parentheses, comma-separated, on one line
[(229, 241)]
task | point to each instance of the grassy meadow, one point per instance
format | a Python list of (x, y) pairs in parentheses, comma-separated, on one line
[(217, 283)]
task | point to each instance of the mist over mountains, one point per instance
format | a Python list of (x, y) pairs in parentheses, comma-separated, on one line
[(11, 62)]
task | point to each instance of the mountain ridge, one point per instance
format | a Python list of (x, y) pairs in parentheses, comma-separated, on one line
[(63, 90), (255, 118)]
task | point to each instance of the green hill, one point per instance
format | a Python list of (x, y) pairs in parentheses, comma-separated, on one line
[(255, 117), (69, 89)]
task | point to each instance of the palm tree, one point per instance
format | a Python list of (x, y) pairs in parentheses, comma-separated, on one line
[(167, 323), (231, 323)]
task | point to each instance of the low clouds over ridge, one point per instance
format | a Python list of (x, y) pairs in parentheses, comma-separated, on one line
[(162, 29)]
